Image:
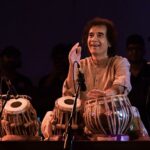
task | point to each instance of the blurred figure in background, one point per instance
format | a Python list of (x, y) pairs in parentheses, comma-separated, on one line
[(10, 62), (140, 77), (50, 85)]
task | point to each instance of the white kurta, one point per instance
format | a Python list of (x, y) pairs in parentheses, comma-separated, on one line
[(110, 71)]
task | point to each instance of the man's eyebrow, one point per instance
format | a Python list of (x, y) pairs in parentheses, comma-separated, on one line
[(97, 32), (100, 32)]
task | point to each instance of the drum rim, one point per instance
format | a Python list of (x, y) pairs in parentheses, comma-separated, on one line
[(2, 96), (101, 100)]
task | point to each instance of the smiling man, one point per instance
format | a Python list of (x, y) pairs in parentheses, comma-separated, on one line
[(106, 78)]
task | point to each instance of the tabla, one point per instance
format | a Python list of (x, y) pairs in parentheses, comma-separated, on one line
[(3, 99), (19, 117), (108, 115), (62, 112)]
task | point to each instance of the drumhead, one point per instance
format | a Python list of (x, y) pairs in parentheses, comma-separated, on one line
[(15, 106), (66, 103)]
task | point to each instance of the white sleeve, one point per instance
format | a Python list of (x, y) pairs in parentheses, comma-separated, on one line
[(46, 125)]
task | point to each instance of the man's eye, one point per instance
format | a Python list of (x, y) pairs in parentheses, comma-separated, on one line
[(100, 35), (91, 35)]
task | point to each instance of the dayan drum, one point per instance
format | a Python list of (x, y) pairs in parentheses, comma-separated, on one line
[(3, 100), (19, 117), (62, 112), (108, 115)]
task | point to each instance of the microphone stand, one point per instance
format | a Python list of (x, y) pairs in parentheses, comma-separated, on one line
[(68, 141), (68, 133)]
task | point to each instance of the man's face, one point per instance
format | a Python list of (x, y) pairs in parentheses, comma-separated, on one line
[(135, 52), (97, 40), (10, 62)]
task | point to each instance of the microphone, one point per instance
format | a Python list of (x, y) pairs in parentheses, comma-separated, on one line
[(11, 88), (81, 79)]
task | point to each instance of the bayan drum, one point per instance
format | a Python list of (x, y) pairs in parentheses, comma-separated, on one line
[(62, 112), (19, 117), (108, 115)]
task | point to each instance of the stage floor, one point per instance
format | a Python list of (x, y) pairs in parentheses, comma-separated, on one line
[(77, 145)]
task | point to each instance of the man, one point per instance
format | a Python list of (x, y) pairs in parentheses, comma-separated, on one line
[(140, 77)]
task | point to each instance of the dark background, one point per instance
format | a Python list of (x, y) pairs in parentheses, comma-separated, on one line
[(35, 26)]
